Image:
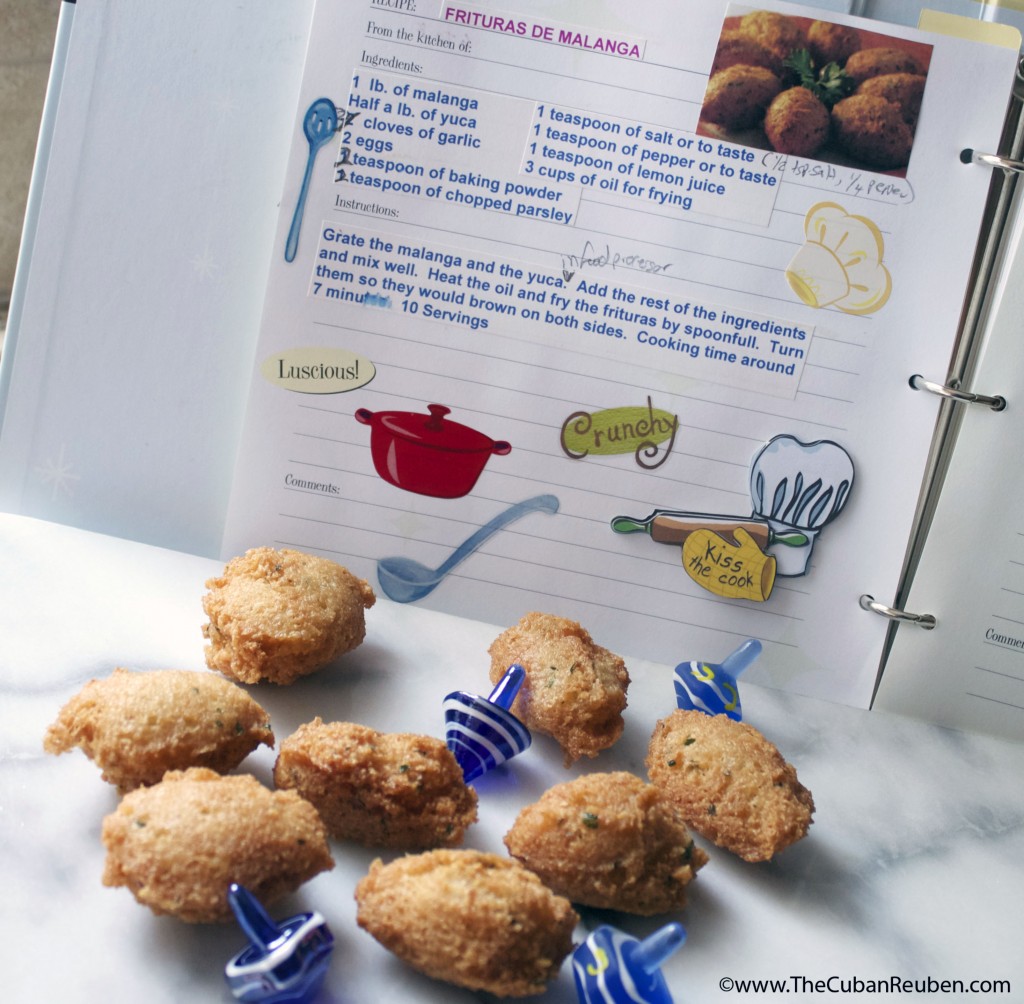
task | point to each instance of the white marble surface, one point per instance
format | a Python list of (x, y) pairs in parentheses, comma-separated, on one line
[(914, 867)]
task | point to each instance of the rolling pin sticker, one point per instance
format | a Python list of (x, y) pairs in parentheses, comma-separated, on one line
[(796, 489)]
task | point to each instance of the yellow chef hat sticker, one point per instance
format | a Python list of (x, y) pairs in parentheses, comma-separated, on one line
[(840, 263)]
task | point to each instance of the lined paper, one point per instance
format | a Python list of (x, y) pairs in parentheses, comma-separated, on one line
[(573, 246)]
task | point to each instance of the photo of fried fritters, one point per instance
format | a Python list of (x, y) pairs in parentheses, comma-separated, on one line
[(179, 844), (279, 615), (136, 726), (610, 841), (574, 690), (904, 90), (731, 784), (832, 43), (737, 48), (874, 62), (393, 790), (872, 130), (476, 920), (737, 96), (797, 122), (776, 32)]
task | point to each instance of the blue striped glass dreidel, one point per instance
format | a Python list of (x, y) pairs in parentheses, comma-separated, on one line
[(284, 963), (481, 731), (711, 688), (610, 967)]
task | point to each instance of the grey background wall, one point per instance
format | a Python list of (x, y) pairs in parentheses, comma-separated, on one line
[(27, 29)]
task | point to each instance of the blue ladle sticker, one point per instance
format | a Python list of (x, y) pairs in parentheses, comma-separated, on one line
[(405, 581), (319, 125)]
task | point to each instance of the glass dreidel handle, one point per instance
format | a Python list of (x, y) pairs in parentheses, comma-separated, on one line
[(713, 689), (482, 732), (284, 963), (610, 967)]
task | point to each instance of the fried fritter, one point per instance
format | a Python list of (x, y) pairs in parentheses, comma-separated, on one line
[(609, 841), (574, 690), (137, 726), (874, 62), (730, 783), (179, 844), (832, 43), (737, 96), (797, 123), (776, 32), (279, 615), (477, 920), (735, 47), (905, 90), (872, 130), (379, 789)]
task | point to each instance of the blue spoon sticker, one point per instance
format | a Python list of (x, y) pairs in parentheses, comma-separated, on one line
[(319, 125)]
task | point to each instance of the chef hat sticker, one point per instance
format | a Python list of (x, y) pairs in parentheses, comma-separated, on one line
[(796, 489), (840, 264), (799, 487)]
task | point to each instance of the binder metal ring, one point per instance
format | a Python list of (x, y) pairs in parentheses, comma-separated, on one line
[(918, 382), (926, 621), (992, 160)]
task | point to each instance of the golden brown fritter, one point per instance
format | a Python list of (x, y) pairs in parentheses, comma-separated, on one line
[(609, 841), (797, 123), (874, 62), (278, 615), (574, 690), (735, 47), (776, 32), (871, 129), (137, 726), (477, 920), (379, 789), (832, 43), (905, 90), (179, 844), (730, 783), (737, 96)]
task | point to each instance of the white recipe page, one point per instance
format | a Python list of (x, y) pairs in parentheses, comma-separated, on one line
[(552, 325)]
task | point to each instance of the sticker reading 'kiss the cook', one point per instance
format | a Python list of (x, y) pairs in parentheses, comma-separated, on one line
[(318, 370), (796, 490)]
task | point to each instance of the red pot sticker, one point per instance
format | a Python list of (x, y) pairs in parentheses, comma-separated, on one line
[(427, 453)]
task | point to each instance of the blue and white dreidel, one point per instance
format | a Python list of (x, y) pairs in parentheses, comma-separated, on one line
[(703, 686), (610, 967), (284, 963), (482, 732)]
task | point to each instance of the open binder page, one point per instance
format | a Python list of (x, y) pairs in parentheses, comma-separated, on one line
[(559, 319), (969, 671)]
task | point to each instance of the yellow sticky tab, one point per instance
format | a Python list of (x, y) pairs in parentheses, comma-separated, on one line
[(958, 26)]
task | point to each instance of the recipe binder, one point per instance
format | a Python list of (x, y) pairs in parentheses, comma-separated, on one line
[(78, 363)]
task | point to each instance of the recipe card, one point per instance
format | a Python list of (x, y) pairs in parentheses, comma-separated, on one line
[(611, 315)]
